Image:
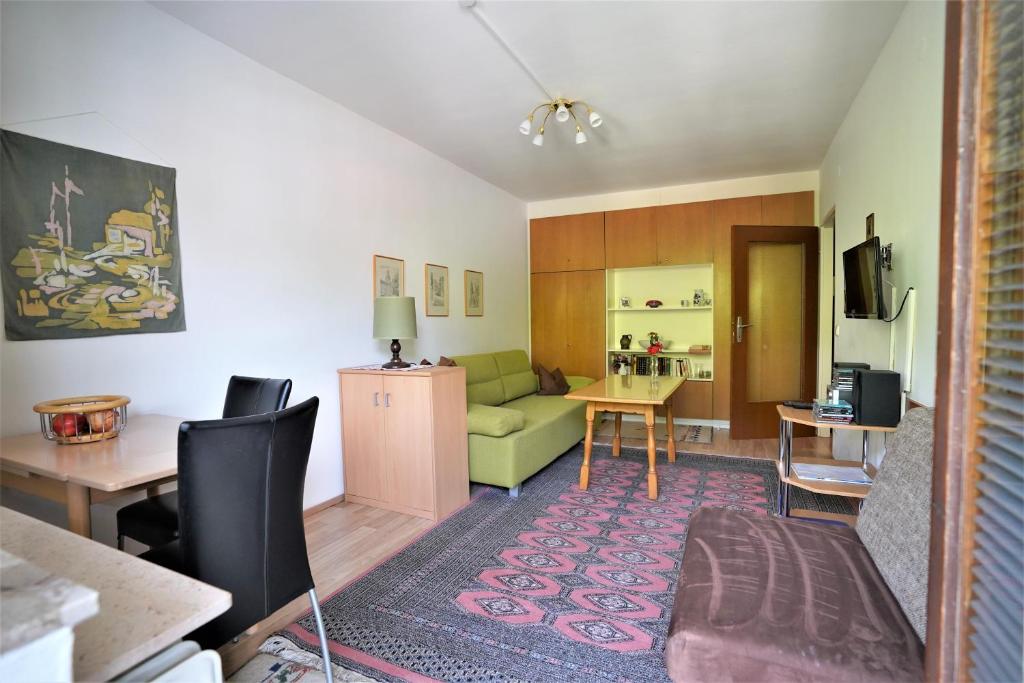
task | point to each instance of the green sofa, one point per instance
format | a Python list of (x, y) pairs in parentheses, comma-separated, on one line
[(513, 431)]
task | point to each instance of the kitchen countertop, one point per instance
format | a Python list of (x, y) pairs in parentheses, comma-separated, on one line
[(37, 602), (144, 608)]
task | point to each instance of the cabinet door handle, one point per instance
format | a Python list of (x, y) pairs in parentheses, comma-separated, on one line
[(376, 399), (387, 400)]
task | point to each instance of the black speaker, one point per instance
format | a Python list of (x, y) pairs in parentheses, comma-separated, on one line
[(876, 397)]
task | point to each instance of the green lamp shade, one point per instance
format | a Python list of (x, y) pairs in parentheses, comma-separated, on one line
[(394, 317)]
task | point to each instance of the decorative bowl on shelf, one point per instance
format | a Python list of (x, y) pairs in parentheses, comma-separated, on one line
[(653, 303), (82, 419)]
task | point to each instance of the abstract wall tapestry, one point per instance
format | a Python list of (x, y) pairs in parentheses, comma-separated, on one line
[(89, 243)]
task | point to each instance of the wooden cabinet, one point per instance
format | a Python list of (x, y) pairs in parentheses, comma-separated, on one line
[(685, 233), (678, 234), (563, 243), (567, 316), (725, 214), (791, 208), (631, 238), (565, 307), (693, 401), (404, 441)]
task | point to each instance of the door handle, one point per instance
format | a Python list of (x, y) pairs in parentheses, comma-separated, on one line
[(387, 400), (376, 399), (739, 328)]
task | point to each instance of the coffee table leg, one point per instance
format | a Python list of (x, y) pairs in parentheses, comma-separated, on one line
[(588, 446), (670, 428), (617, 439), (652, 474), (79, 521)]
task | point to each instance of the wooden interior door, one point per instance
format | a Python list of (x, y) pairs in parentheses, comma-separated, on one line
[(362, 413), (774, 326), (409, 465)]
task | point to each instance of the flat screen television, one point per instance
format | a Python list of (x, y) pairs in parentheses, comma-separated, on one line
[(862, 270)]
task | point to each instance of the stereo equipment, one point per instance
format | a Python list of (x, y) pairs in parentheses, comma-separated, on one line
[(842, 378), (876, 397)]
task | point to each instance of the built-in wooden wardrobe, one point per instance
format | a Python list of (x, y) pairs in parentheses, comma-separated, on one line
[(569, 255)]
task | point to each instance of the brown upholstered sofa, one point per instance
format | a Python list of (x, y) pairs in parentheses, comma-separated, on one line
[(769, 599)]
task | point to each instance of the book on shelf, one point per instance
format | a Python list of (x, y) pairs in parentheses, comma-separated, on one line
[(642, 364)]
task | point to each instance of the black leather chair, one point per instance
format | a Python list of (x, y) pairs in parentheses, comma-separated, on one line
[(240, 516), (154, 521)]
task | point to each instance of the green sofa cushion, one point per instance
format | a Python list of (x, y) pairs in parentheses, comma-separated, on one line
[(517, 376), (483, 381), (492, 421), (519, 384)]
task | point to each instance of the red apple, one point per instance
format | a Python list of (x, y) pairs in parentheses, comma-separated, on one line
[(69, 424), (102, 421)]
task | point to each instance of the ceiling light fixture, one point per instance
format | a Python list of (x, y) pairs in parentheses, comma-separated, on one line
[(560, 107), (563, 110)]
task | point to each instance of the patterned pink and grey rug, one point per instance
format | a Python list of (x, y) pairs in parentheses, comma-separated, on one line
[(557, 585)]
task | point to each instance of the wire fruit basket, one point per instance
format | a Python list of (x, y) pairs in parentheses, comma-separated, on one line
[(83, 419)]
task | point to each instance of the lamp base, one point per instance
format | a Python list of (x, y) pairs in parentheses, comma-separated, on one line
[(395, 363)]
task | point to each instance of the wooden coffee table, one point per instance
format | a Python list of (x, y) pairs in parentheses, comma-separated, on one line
[(637, 395)]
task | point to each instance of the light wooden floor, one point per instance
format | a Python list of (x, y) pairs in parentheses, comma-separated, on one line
[(343, 541), (634, 435), (347, 539)]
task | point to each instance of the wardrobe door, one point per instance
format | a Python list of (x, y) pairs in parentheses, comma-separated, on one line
[(548, 322), (685, 234), (562, 243), (631, 238), (585, 320)]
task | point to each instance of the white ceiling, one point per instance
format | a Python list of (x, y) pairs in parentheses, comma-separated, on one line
[(689, 91)]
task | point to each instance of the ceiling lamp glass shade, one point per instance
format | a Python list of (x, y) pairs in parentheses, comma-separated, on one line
[(562, 110)]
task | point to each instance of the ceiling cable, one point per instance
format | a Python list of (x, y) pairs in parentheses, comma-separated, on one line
[(471, 5)]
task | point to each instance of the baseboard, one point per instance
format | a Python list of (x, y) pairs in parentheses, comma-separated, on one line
[(330, 502)]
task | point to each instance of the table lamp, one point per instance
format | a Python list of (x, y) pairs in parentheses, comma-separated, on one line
[(394, 318)]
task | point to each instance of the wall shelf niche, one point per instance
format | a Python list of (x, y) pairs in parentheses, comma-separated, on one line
[(683, 326)]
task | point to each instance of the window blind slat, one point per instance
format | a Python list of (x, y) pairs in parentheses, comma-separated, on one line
[(996, 646)]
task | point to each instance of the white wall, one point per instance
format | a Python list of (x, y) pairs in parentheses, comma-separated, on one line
[(283, 197), (886, 159)]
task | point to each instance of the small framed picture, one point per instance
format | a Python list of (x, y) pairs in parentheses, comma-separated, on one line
[(435, 283), (474, 292), (625, 302), (388, 276)]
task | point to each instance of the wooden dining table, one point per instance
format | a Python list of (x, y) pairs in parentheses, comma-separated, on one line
[(635, 394), (142, 457)]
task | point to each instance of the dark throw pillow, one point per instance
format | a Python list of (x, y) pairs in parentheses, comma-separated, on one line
[(552, 383)]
